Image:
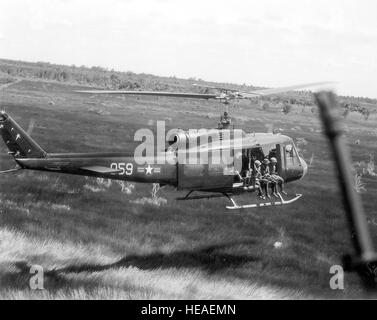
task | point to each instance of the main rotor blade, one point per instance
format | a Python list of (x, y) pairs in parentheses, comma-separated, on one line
[(266, 92), (240, 95), (152, 93), (216, 88)]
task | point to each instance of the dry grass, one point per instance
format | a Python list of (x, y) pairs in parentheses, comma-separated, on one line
[(65, 279)]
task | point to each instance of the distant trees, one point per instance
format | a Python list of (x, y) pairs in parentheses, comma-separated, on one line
[(129, 85), (355, 107), (96, 76)]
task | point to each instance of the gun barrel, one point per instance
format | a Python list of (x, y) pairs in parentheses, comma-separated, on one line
[(360, 235)]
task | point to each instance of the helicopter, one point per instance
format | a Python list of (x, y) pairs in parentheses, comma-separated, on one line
[(214, 179)]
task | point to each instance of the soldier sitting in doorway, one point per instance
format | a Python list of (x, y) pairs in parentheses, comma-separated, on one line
[(258, 179), (279, 181), (248, 177), (247, 164), (268, 181)]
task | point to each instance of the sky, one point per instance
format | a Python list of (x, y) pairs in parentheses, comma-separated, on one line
[(268, 43)]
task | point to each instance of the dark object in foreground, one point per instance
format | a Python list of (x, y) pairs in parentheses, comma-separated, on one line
[(365, 260)]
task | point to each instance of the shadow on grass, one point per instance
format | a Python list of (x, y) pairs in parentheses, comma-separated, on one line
[(209, 258), (20, 280)]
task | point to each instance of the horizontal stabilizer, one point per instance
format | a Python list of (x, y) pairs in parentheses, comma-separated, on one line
[(100, 169)]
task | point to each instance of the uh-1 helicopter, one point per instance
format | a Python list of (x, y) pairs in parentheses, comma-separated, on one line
[(218, 179)]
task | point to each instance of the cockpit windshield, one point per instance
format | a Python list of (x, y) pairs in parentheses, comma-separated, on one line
[(291, 155)]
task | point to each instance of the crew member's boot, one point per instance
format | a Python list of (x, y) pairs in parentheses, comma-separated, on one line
[(275, 191), (261, 196), (266, 191), (282, 189), (260, 193)]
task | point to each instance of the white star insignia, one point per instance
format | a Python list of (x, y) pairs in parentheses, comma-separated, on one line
[(148, 170)]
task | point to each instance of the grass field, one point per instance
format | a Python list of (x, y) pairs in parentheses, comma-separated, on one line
[(97, 241)]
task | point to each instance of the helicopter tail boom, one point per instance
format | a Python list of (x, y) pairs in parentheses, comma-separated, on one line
[(19, 143)]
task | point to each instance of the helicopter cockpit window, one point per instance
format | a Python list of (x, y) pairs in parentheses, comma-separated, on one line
[(291, 155)]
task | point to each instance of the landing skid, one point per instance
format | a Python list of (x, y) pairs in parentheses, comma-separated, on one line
[(11, 170), (263, 204)]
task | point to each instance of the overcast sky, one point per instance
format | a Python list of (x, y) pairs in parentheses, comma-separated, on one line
[(266, 43)]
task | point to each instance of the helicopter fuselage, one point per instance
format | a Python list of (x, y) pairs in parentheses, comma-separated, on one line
[(184, 176), (166, 168)]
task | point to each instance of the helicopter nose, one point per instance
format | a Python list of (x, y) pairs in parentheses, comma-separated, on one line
[(304, 168)]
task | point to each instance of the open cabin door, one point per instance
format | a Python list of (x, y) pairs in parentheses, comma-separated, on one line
[(260, 153)]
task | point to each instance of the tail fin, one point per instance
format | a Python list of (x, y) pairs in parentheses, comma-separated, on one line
[(19, 143)]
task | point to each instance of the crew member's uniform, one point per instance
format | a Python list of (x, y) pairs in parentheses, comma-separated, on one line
[(266, 177), (258, 179), (275, 176), (248, 177)]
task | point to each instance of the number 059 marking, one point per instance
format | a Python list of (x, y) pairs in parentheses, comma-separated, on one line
[(125, 168)]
